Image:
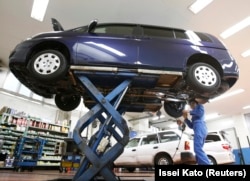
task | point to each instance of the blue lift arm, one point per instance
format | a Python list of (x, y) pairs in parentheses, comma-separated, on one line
[(99, 154)]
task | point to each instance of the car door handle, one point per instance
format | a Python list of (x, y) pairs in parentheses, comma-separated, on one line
[(134, 150), (155, 147)]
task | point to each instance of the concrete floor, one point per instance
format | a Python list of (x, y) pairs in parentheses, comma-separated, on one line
[(55, 175)]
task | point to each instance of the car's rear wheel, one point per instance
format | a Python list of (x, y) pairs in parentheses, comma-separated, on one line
[(212, 160), (174, 109), (48, 65), (67, 102), (203, 78), (163, 159)]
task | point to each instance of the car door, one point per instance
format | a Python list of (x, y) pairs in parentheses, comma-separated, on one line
[(109, 44), (128, 157), (172, 143), (165, 48), (149, 147)]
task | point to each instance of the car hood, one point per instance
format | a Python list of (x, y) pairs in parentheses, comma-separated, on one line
[(54, 34)]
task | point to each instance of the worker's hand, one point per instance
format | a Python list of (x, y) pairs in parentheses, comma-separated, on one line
[(185, 114), (179, 122)]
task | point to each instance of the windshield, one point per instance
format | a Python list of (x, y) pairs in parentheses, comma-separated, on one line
[(133, 143)]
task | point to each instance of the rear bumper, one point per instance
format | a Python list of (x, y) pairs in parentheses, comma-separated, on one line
[(188, 157)]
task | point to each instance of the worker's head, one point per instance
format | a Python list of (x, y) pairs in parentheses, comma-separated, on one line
[(192, 103)]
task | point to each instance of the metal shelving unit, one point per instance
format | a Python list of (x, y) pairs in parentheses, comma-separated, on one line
[(14, 124), (27, 153)]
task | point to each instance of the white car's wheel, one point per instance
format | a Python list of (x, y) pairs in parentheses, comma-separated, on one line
[(212, 160), (163, 159)]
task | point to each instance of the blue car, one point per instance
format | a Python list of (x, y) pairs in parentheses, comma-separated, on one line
[(169, 65)]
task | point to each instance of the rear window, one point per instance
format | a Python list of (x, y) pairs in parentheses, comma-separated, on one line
[(212, 138), (217, 136)]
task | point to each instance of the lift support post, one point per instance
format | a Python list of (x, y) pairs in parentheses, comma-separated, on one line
[(99, 154)]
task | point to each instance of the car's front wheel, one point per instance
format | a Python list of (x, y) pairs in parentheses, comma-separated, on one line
[(48, 65), (67, 102), (174, 109), (203, 78)]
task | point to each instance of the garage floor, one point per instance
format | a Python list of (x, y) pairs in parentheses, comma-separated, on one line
[(53, 175)]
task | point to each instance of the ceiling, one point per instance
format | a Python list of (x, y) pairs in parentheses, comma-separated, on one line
[(218, 16)]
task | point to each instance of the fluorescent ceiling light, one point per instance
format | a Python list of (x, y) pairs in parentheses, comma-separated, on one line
[(38, 9), (238, 91), (246, 107), (235, 28), (211, 116), (246, 53), (198, 5)]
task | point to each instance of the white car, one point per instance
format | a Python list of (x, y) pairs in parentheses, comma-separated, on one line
[(217, 148), (162, 148)]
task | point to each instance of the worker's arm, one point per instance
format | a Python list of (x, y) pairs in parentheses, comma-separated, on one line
[(186, 120)]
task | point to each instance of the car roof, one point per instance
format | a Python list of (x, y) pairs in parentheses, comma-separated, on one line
[(117, 24), (168, 130)]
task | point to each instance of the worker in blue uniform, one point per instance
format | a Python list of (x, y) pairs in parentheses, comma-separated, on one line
[(198, 124)]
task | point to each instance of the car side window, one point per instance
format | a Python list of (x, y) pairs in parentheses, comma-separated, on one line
[(158, 32), (150, 139), (180, 34), (203, 37), (133, 142), (144, 141), (115, 29), (168, 136)]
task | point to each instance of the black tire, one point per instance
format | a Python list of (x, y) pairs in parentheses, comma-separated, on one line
[(49, 65), (163, 159), (174, 109), (67, 102), (203, 78), (212, 160), (131, 169)]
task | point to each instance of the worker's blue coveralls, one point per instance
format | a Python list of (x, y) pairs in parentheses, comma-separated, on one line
[(200, 132)]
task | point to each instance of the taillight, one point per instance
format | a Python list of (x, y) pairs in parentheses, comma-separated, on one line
[(187, 145), (226, 146)]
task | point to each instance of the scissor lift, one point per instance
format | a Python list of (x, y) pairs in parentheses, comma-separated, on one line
[(99, 154)]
